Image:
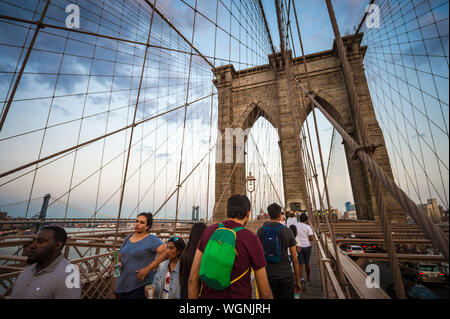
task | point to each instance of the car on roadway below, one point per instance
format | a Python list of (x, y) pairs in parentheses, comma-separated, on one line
[(412, 290), (419, 292), (355, 249), (372, 248), (430, 273), (423, 272)]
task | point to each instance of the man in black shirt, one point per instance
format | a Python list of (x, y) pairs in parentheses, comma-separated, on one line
[(279, 271)]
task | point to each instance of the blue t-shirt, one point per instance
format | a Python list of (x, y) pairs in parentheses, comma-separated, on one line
[(135, 256)]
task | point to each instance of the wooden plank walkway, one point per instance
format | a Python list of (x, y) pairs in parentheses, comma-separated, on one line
[(313, 288)]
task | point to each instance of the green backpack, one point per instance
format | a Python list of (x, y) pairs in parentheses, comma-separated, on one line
[(218, 258)]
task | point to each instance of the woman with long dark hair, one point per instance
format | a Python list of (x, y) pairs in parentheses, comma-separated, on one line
[(140, 254), (187, 257)]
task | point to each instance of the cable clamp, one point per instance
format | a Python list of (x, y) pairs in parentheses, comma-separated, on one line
[(40, 25), (369, 149)]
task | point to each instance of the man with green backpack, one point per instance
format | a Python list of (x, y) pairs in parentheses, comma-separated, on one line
[(226, 256)]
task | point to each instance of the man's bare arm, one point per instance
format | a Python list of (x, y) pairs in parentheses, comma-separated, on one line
[(293, 251), (263, 283)]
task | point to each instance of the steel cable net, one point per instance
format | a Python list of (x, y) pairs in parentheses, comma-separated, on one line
[(406, 67), (72, 97), (263, 161), (337, 176)]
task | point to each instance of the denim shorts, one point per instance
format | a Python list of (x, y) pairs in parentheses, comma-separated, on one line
[(304, 255)]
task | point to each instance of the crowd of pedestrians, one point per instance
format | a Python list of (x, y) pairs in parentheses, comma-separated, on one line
[(224, 260)]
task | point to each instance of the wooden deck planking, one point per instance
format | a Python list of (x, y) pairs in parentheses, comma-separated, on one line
[(314, 288)]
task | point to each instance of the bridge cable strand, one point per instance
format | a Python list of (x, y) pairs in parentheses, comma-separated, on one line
[(308, 201), (126, 41), (361, 128), (125, 171), (404, 59), (439, 239), (108, 163), (329, 222), (6, 108)]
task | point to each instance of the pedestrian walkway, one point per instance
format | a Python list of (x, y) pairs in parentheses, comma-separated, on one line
[(313, 288)]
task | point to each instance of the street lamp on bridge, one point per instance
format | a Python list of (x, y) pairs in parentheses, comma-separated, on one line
[(250, 181)]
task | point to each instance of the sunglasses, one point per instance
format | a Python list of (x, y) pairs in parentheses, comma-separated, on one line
[(174, 238)]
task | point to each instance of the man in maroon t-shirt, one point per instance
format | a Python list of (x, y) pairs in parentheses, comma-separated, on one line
[(249, 254)]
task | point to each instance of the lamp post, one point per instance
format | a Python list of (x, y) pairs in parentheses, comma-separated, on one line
[(250, 180)]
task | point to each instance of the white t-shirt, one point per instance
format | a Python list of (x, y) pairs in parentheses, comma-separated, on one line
[(297, 241), (291, 221), (166, 288), (303, 231)]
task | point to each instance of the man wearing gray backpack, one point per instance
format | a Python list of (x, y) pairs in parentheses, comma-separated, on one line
[(276, 239), (226, 255)]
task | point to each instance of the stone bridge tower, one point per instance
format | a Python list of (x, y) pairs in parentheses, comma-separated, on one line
[(269, 91)]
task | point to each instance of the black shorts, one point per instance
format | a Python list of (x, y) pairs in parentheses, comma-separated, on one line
[(304, 255)]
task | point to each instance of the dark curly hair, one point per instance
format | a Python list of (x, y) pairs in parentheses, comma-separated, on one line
[(238, 206), (149, 217), (274, 210)]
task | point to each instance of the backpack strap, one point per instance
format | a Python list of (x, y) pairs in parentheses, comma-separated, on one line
[(221, 226), (256, 285), (238, 229), (234, 230), (277, 228), (236, 279)]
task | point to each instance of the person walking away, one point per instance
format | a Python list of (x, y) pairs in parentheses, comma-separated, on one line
[(140, 254), (166, 281), (225, 257), (291, 219), (283, 220), (305, 236), (50, 275), (276, 240), (293, 228), (187, 257)]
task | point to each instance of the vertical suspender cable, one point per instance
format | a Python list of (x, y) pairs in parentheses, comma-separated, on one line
[(184, 120), (330, 225), (354, 102), (132, 127)]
